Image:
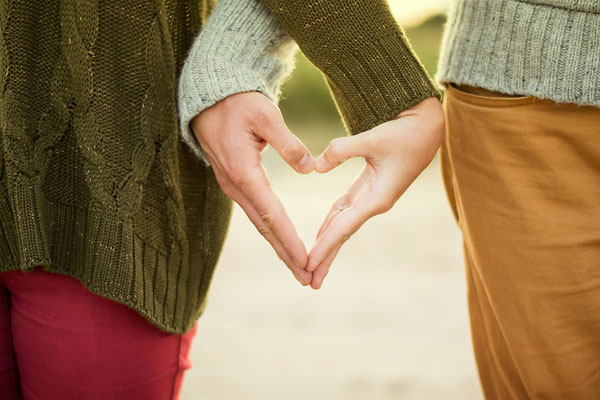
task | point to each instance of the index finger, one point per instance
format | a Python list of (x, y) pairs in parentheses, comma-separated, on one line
[(303, 276), (340, 229), (259, 193)]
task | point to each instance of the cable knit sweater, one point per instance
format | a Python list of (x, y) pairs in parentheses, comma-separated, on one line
[(546, 48), (95, 181)]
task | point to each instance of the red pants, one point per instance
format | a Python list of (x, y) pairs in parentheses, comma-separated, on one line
[(60, 341)]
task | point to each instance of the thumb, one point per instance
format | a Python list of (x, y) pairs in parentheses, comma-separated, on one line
[(340, 150), (290, 148)]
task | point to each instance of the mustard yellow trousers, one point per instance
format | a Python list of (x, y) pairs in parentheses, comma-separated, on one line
[(523, 179)]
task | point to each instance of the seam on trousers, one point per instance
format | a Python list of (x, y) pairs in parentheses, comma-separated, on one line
[(178, 371), (480, 317), (14, 388), (485, 329)]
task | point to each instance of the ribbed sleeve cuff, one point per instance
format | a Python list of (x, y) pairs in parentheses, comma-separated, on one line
[(369, 65), (377, 83), (242, 48)]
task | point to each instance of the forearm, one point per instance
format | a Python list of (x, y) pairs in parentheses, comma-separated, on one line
[(369, 65), (243, 47)]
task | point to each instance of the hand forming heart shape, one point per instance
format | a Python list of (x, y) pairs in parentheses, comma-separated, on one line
[(234, 132)]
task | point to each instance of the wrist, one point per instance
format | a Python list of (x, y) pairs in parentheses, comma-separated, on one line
[(242, 48), (431, 118)]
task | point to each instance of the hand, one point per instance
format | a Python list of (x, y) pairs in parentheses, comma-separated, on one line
[(395, 153), (233, 133)]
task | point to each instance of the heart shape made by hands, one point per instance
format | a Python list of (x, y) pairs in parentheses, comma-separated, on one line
[(234, 132)]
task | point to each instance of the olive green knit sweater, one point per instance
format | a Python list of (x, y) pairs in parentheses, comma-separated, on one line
[(94, 181)]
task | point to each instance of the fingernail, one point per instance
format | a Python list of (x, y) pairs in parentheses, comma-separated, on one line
[(307, 164), (320, 163)]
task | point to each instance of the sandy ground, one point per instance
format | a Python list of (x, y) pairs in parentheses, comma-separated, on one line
[(389, 323)]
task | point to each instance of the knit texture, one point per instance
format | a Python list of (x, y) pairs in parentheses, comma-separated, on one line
[(546, 48), (242, 48), (367, 61), (95, 181)]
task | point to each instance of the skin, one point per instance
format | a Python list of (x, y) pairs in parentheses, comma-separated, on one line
[(234, 132), (395, 153)]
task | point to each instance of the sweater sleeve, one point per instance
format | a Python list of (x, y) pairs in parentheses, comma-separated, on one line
[(242, 48), (367, 61)]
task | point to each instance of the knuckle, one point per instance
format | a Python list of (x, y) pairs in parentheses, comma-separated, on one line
[(340, 203), (264, 231), (264, 117), (292, 151), (373, 146), (334, 152), (267, 218), (236, 179), (238, 175), (261, 119), (228, 190), (379, 208), (382, 206)]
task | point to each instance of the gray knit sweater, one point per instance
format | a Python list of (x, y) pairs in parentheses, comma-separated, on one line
[(546, 48), (242, 48)]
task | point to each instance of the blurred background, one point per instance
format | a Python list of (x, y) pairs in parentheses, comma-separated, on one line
[(391, 319)]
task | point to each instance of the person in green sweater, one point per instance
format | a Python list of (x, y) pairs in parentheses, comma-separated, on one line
[(111, 226)]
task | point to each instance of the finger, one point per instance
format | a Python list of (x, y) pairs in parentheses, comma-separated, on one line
[(282, 251), (303, 276), (340, 230), (340, 150), (323, 269), (270, 210), (272, 128), (338, 206), (359, 185)]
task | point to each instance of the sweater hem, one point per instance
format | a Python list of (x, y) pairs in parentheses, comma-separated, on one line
[(523, 48), (151, 318), (111, 260)]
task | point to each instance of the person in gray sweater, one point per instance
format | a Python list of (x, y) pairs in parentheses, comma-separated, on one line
[(521, 166)]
